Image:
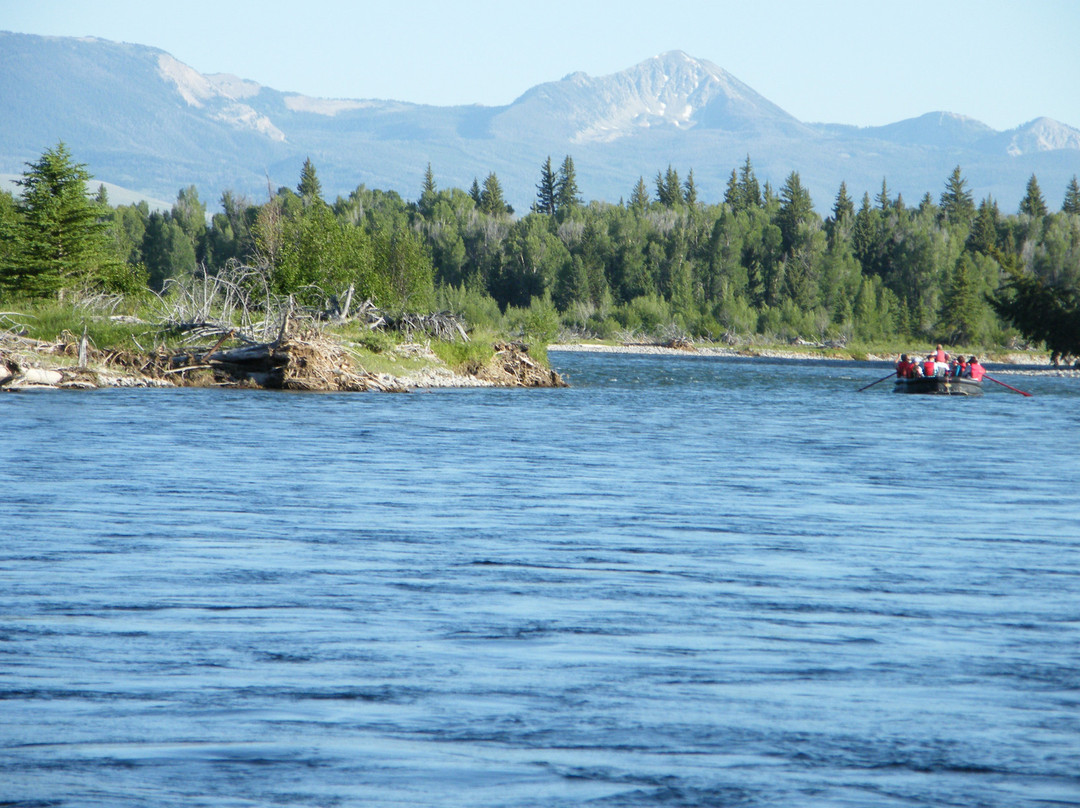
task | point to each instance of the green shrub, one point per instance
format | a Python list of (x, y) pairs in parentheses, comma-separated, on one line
[(464, 356)]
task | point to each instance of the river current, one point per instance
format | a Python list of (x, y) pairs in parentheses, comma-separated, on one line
[(680, 582)]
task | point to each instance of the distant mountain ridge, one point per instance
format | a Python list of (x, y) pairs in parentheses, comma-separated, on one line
[(144, 120)]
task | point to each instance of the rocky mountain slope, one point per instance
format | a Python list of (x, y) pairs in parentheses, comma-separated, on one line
[(143, 120)]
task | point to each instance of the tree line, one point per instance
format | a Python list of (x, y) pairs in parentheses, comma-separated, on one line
[(759, 261)]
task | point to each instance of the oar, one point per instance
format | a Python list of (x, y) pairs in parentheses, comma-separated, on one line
[(883, 378), (991, 378)]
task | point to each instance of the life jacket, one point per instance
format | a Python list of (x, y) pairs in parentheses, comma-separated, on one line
[(977, 371), (941, 356), (928, 367)]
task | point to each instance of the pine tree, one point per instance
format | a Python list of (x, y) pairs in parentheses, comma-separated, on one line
[(864, 241), (545, 189), (661, 190), (843, 217), (796, 208), (639, 199), (748, 185), (957, 204), (567, 195), (1072, 198), (690, 190), (732, 194), (882, 199), (963, 308), (984, 233), (926, 204), (475, 192), (429, 193), (491, 197), (1033, 203), (1041, 312), (843, 208), (668, 188), (61, 236), (309, 188), (9, 223)]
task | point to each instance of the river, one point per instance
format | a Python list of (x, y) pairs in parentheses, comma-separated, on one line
[(680, 582)]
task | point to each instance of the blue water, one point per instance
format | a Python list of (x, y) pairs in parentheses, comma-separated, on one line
[(681, 582)]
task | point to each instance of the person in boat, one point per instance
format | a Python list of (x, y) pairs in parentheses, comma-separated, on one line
[(975, 370), (940, 355), (929, 366), (905, 368), (960, 367)]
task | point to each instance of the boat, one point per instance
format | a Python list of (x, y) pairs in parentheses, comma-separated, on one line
[(939, 385)]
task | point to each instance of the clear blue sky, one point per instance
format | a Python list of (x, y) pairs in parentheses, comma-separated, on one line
[(852, 61)]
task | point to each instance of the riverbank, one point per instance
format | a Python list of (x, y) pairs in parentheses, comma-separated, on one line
[(301, 361), (1019, 362), (316, 362)]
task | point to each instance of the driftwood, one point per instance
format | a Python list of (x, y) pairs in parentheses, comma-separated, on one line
[(302, 362), (513, 367)]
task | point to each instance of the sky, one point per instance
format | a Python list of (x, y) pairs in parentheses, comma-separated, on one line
[(855, 62)]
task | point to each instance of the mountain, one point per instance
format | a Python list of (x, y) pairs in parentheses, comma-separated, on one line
[(142, 120)]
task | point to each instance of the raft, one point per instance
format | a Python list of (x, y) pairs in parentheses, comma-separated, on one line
[(939, 385)]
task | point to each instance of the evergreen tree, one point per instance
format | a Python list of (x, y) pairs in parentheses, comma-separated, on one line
[(475, 192), (843, 208), (864, 237), (1072, 198), (957, 204), (690, 190), (796, 209), (639, 199), (964, 307), (1033, 203), (732, 194), (843, 217), (668, 188), (429, 193), (984, 234), (9, 223), (567, 195), (926, 204), (768, 197), (546, 189), (491, 197), (748, 186), (61, 237), (882, 199), (309, 188), (1042, 312)]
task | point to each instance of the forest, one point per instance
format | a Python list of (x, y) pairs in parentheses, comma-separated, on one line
[(761, 263)]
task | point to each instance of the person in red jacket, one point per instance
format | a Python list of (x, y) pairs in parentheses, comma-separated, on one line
[(904, 367), (975, 370), (940, 355)]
